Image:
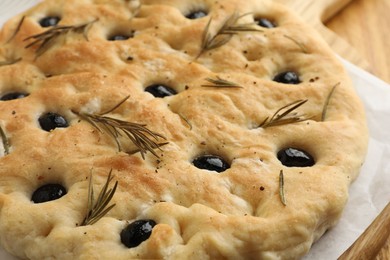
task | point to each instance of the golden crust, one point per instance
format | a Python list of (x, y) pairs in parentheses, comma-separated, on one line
[(199, 213)]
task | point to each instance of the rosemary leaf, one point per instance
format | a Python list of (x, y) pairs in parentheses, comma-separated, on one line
[(300, 45), (153, 152), (110, 129), (326, 104), (90, 199), (216, 42), (287, 116), (220, 83), (143, 138), (96, 210), (5, 141), (116, 106), (17, 29), (231, 26), (46, 45), (48, 38), (281, 188), (105, 196), (224, 33), (100, 215), (185, 120)]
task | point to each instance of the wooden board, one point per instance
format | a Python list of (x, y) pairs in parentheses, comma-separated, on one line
[(374, 243), (365, 25), (316, 13)]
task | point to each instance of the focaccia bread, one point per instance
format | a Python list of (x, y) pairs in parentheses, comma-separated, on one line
[(211, 129)]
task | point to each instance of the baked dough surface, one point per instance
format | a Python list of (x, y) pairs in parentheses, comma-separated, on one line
[(200, 214)]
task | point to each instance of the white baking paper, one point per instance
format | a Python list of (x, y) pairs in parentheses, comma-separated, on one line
[(10, 8), (370, 192)]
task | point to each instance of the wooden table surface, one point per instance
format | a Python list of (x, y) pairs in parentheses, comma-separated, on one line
[(365, 25)]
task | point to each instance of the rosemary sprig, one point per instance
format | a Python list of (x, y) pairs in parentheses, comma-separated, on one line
[(281, 188), (300, 45), (9, 62), (17, 29), (220, 83), (96, 210), (326, 104), (287, 115), (224, 33), (47, 39), (142, 137), (5, 141)]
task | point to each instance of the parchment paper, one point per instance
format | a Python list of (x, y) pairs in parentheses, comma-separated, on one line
[(370, 192)]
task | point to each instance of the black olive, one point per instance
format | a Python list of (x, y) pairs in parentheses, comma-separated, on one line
[(119, 37), (160, 91), (292, 157), (48, 192), (13, 95), (196, 14), (211, 163), (50, 121), (49, 21), (137, 232), (264, 22), (288, 77)]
